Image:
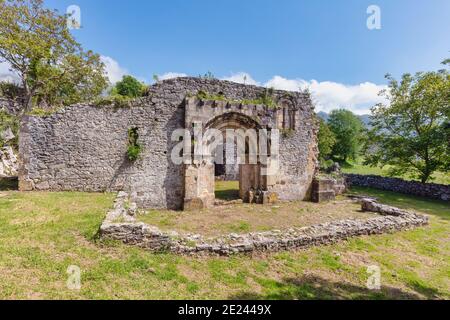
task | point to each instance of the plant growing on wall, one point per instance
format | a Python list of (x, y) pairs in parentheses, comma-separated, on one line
[(134, 148), (267, 98)]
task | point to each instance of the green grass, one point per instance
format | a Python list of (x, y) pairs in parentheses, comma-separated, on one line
[(420, 204), (357, 167), (42, 234), (227, 190)]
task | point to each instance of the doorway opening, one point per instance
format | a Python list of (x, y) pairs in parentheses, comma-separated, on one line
[(226, 170), (236, 179)]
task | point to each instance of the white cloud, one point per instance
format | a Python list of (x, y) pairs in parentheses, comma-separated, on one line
[(242, 77), (6, 74), (114, 71), (171, 75), (327, 95), (330, 95)]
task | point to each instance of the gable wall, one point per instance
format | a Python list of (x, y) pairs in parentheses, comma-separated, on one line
[(83, 148)]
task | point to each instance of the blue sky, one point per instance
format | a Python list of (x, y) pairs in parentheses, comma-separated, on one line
[(325, 45)]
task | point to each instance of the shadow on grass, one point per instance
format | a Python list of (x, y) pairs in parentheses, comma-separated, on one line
[(227, 195), (313, 287), (9, 184), (227, 190), (430, 293), (344, 164), (428, 206)]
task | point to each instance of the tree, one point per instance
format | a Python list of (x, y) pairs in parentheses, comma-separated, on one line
[(348, 131), (411, 133), (129, 87), (326, 140), (51, 65)]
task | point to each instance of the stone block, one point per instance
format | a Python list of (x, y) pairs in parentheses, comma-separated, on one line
[(199, 203), (269, 197), (26, 185), (323, 196)]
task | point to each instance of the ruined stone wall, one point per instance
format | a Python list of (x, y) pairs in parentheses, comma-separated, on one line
[(428, 190), (9, 106), (83, 147)]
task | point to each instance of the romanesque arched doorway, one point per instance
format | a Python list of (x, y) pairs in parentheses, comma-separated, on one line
[(211, 134)]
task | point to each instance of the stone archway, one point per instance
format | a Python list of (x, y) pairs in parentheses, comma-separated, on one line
[(200, 173)]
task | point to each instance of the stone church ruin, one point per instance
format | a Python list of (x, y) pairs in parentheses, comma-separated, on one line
[(84, 147)]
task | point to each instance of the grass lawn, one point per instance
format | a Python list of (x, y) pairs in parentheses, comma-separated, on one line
[(227, 190), (41, 234), (358, 168)]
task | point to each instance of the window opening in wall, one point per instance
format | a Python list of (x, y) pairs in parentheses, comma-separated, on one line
[(134, 148)]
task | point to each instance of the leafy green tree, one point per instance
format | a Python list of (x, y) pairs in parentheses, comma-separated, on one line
[(348, 130), (51, 65), (412, 133), (129, 87), (326, 140)]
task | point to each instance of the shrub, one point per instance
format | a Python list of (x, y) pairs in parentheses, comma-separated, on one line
[(134, 149), (129, 87), (326, 140), (133, 152)]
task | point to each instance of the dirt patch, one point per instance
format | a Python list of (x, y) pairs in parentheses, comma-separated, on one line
[(243, 218)]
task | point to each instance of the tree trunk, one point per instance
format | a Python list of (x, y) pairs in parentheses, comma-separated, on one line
[(28, 103), (28, 99), (425, 176)]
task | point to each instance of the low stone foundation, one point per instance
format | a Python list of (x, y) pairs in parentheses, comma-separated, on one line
[(327, 188), (121, 224), (428, 190)]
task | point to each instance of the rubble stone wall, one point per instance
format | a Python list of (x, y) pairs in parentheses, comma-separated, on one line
[(428, 190), (84, 147)]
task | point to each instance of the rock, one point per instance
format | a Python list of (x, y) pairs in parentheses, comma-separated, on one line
[(334, 168), (327, 188), (8, 162), (132, 210), (7, 135)]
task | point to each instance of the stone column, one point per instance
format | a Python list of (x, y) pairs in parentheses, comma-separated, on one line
[(199, 186)]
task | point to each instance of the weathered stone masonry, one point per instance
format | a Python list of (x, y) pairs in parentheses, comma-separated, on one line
[(83, 147), (428, 190)]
